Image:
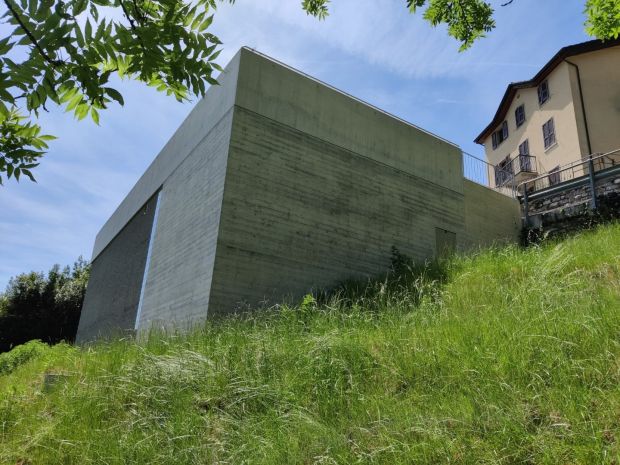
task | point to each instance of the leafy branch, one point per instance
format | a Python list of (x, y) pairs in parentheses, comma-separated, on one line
[(35, 42), (66, 51), (470, 20)]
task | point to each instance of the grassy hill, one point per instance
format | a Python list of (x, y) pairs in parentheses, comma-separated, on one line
[(508, 356)]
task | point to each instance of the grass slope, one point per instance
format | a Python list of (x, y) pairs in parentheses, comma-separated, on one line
[(513, 356)]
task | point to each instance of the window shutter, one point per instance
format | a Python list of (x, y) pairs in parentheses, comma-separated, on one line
[(543, 92), (524, 148), (520, 115), (505, 130), (494, 137), (551, 132)]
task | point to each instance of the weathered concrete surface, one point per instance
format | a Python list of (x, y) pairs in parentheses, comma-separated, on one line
[(113, 291), (300, 213), (179, 276), (277, 184), (320, 186), (205, 115), (490, 217), (270, 89)]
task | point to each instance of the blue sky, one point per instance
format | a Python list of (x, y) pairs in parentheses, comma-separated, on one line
[(374, 50)]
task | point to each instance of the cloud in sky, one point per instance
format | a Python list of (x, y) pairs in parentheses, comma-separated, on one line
[(373, 50)]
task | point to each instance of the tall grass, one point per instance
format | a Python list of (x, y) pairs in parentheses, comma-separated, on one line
[(507, 356)]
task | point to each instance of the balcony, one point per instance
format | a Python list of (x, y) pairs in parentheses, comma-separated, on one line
[(512, 172)]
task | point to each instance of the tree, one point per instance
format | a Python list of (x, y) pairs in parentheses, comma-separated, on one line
[(603, 18), (66, 51), (35, 306)]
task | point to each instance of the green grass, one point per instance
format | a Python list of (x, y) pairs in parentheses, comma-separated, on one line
[(508, 356)]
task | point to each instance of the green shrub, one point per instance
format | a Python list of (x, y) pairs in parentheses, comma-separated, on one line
[(9, 361)]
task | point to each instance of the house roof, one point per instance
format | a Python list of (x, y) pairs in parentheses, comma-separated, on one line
[(563, 54)]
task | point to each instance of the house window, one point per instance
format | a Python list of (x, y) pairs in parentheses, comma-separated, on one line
[(525, 161), (500, 135), (543, 92), (503, 171), (520, 115), (549, 133), (554, 176)]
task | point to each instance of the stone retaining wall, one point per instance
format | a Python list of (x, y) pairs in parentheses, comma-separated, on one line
[(577, 196), (571, 210)]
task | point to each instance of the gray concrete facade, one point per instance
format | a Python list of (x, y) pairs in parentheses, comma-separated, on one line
[(277, 184), (116, 278)]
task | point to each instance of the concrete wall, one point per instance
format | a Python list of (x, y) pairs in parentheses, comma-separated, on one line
[(181, 266), (301, 213), (113, 291), (190, 173), (320, 186), (307, 105), (205, 115), (490, 217), (277, 184)]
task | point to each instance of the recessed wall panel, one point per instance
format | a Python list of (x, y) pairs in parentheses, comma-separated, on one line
[(113, 292)]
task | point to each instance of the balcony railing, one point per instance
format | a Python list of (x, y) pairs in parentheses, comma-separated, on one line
[(517, 170)]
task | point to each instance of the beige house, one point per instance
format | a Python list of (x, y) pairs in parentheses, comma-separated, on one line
[(569, 110)]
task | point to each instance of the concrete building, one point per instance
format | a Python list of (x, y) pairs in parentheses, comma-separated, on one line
[(277, 184), (569, 110)]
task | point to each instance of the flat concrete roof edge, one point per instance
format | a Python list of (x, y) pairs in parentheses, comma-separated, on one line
[(352, 97), (148, 183)]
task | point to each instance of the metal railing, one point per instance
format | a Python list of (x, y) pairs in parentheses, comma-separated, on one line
[(482, 172), (570, 171), (575, 175), (477, 170)]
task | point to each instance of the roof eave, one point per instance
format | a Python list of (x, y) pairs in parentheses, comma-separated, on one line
[(559, 57)]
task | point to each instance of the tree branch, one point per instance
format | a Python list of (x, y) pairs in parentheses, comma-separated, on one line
[(132, 24), (31, 36), (128, 16)]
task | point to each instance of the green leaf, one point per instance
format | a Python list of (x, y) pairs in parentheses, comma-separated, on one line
[(206, 23), (29, 174), (81, 111), (88, 30), (115, 95), (75, 101), (95, 115), (79, 6), (4, 111)]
